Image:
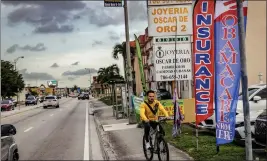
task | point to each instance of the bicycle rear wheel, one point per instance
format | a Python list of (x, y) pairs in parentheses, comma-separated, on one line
[(163, 149), (148, 152)]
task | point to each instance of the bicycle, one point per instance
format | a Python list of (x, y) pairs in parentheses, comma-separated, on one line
[(158, 139)]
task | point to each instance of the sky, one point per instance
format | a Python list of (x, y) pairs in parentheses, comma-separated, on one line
[(59, 39)]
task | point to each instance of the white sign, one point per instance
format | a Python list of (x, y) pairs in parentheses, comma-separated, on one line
[(165, 20), (171, 39), (167, 2), (164, 62)]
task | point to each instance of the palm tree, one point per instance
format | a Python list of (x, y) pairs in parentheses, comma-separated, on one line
[(121, 49), (75, 87), (108, 74)]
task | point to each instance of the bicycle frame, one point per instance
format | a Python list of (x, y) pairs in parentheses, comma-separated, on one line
[(156, 134)]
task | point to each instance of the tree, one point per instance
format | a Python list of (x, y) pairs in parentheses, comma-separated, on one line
[(121, 49), (75, 87), (11, 81), (110, 73)]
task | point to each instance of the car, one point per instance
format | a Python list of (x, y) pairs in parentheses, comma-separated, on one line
[(260, 137), (257, 101), (51, 101), (80, 96), (9, 148), (163, 94), (83, 96), (31, 100), (7, 105), (15, 103), (59, 96)]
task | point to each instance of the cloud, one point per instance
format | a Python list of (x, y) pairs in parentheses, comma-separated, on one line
[(71, 78), (113, 16), (55, 65), (76, 63), (46, 16), (15, 47), (113, 36), (95, 43), (80, 72), (35, 75), (54, 28)]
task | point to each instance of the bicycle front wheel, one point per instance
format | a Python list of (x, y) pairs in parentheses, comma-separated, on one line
[(163, 150), (148, 152)]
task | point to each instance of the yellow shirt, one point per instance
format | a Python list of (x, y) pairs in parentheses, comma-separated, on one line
[(147, 114)]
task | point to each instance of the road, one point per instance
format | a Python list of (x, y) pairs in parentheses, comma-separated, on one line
[(65, 133)]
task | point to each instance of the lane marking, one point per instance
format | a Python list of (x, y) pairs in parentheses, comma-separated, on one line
[(86, 136), (28, 129), (51, 114)]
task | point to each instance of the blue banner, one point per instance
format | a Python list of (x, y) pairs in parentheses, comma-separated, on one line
[(227, 69)]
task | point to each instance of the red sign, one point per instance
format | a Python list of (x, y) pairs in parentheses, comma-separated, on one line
[(203, 53)]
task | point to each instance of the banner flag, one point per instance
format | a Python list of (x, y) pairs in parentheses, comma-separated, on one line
[(227, 68), (203, 53), (141, 67)]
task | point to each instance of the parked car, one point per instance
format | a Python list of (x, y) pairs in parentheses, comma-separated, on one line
[(9, 148), (257, 101), (7, 105), (15, 103), (80, 96), (163, 94), (51, 101), (261, 129), (31, 100)]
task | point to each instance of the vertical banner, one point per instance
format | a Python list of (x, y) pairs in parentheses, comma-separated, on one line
[(203, 53), (227, 69), (139, 55)]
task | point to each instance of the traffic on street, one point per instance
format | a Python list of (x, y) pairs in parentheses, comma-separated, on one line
[(65, 133)]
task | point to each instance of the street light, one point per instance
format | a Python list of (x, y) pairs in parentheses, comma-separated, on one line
[(16, 60), (15, 66)]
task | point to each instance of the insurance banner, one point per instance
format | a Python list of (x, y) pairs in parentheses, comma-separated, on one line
[(227, 68), (203, 52)]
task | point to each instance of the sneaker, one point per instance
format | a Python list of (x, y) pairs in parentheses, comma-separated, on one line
[(147, 145)]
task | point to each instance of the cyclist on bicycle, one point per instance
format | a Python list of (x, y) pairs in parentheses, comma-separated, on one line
[(149, 114)]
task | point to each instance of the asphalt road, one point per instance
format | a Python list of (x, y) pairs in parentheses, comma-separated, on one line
[(64, 133)]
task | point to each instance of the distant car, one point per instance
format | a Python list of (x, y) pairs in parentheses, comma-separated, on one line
[(9, 148), (15, 103), (31, 100), (51, 101), (7, 105), (261, 129), (59, 96), (83, 96)]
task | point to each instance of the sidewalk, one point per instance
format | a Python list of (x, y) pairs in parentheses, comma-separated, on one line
[(122, 141)]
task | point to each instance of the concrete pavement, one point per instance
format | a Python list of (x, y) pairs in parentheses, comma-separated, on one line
[(65, 133), (122, 141)]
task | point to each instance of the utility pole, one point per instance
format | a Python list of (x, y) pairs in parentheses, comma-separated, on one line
[(15, 66), (244, 79), (129, 69)]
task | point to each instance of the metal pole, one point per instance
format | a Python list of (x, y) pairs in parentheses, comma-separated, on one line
[(129, 71), (244, 80)]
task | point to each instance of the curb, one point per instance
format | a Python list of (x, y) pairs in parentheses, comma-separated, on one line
[(106, 149)]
